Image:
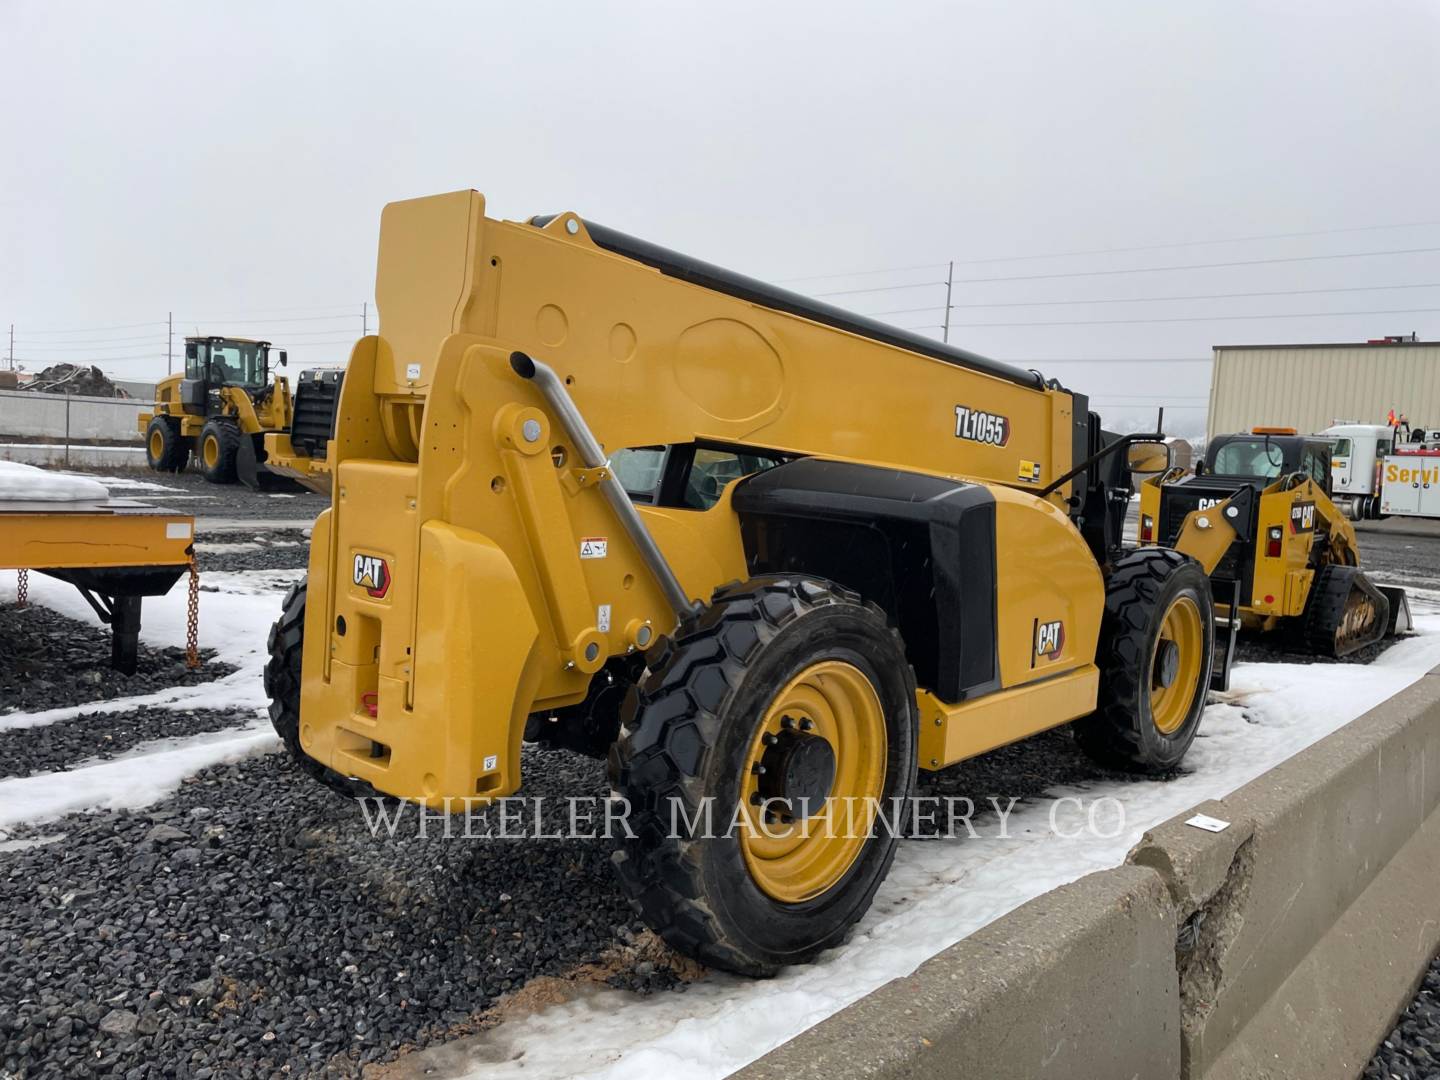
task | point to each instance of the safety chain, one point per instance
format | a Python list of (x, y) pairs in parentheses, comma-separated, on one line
[(22, 587), (192, 619)]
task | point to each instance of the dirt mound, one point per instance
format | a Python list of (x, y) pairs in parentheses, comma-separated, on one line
[(75, 379)]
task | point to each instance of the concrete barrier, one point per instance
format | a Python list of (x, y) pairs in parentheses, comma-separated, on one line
[(75, 456), (29, 416), (1284, 946)]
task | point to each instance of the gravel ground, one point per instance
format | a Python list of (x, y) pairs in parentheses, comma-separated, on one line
[(193, 494), (252, 924), (52, 661), (1412, 1050), (270, 549), (64, 745)]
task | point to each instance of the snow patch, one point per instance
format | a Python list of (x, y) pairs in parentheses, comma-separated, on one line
[(137, 779), (27, 483)]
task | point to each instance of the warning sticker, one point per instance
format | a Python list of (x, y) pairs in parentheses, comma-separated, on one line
[(1029, 472), (594, 547)]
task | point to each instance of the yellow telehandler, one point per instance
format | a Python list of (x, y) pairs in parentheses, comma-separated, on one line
[(225, 409), (768, 556)]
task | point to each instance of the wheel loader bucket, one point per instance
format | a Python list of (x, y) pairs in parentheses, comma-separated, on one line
[(254, 473), (1400, 621)]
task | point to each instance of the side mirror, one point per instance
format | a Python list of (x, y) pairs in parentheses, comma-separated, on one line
[(1147, 457), (283, 358)]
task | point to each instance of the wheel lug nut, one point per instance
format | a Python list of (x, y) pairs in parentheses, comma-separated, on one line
[(787, 721), (768, 739), (755, 799), (758, 769), (806, 724)]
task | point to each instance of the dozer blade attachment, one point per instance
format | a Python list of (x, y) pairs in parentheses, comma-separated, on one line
[(254, 473), (1345, 612), (1400, 621)]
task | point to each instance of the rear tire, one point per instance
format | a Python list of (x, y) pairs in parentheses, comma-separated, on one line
[(219, 443), (282, 684), (165, 448), (1142, 722), (772, 668)]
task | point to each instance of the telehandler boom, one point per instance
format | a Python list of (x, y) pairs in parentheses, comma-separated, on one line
[(767, 555)]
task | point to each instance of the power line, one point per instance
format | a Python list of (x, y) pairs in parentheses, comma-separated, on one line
[(1169, 299), (1209, 318), (1200, 266), (237, 322), (93, 329), (1123, 250)]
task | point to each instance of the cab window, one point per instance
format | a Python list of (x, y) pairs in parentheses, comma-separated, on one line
[(193, 369), (1250, 457), (1316, 464), (639, 470), (713, 469), (1342, 448)]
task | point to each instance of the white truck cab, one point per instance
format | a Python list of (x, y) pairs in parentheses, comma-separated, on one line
[(1355, 457)]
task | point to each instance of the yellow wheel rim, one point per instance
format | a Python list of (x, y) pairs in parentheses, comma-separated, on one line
[(211, 451), (793, 858), (157, 445), (1175, 665)]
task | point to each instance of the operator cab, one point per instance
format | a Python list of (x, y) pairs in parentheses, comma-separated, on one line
[(1263, 455), (214, 362)]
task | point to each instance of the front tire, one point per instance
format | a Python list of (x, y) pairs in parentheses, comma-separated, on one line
[(1157, 644), (219, 445), (787, 695)]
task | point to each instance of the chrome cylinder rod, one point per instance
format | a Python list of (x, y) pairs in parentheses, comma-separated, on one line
[(591, 454)]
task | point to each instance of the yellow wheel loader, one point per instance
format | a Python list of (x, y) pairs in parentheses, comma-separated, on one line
[(225, 410), (1282, 557), (768, 556)]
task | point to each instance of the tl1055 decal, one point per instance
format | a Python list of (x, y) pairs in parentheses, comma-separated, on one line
[(981, 427)]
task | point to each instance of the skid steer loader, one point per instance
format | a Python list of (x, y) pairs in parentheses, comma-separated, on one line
[(1281, 555), (768, 556), (225, 410)]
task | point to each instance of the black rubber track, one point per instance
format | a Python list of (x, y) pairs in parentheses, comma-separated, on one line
[(282, 684), (1121, 733), (227, 432), (674, 723), (175, 453), (1325, 609)]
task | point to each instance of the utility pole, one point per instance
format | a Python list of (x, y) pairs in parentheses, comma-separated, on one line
[(169, 342), (365, 319), (12, 346), (949, 286)]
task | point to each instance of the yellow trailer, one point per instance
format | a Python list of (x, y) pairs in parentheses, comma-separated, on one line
[(115, 552)]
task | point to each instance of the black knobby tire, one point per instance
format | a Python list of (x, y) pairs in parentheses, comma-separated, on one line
[(282, 684), (1325, 607), (1122, 732), (684, 737), (174, 452), (226, 435)]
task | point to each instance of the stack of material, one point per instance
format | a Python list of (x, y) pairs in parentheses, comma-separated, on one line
[(74, 379)]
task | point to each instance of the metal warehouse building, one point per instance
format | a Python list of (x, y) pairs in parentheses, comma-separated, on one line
[(1309, 387)]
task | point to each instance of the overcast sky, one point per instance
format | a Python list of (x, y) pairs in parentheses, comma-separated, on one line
[(228, 162)]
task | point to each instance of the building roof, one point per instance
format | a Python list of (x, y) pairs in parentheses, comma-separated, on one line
[(1335, 345)]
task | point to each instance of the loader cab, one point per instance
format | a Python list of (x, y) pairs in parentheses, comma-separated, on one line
[(1266, 454)]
